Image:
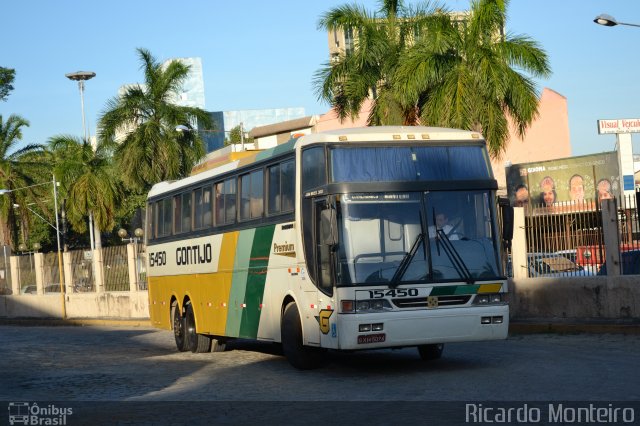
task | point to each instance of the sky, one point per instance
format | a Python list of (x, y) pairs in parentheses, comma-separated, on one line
[(258, 54)]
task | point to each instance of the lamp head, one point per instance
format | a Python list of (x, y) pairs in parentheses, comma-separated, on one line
[(606, 20), (138, 232), (122, 233)]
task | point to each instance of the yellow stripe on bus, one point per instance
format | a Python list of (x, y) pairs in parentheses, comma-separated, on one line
[(489, 288)]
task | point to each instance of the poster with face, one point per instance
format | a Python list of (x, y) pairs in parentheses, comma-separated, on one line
[(573, 181)]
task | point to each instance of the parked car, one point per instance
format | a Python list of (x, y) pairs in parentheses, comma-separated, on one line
[(630, 262), (554, 265), (30, 289)]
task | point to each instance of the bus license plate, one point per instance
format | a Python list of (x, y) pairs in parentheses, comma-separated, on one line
[(372, 338)]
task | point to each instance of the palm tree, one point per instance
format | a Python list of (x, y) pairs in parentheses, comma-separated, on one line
[(89, 182), (19, 169), (368, 71), (151, 149), (467, 74)]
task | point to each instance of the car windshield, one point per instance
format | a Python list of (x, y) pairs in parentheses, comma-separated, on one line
[(417, 237)]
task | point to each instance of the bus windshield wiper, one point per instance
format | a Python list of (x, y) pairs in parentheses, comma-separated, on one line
[(406, 261), (454, 256)]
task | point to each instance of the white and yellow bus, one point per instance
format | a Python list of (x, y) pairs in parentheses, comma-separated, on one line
[(379, 237)]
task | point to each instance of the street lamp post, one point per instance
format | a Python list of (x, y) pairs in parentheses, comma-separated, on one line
[(57, 229), (81, 77), (610, 21)]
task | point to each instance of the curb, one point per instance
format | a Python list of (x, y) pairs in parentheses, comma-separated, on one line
[(573, 328), (79, 322)]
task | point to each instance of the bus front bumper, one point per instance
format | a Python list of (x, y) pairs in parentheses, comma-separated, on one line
[(421, 327)]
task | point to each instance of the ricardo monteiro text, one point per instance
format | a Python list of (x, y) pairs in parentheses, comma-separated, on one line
[(554, 413), (193, 255)]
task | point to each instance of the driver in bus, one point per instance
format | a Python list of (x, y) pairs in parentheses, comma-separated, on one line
[(442, 222)]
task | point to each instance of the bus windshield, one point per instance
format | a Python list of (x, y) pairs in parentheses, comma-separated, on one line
[(412, 237)]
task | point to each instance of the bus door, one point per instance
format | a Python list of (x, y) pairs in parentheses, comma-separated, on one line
[(325, 240)]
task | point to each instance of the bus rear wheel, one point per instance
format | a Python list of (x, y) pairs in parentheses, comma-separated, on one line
[(196, 343), (300, 356), (177, 321), (431, 352)]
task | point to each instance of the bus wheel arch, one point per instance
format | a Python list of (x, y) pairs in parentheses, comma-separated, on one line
[(300, 356)]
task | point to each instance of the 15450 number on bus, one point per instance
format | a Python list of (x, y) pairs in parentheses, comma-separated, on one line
[(393, 292), (158, 258)]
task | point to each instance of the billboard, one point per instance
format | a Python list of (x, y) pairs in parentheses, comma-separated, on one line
[(566, 181)]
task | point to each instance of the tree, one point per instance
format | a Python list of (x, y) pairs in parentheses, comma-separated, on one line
[(368, 71), (6, 79), (151, 149), (89, 182), (19, 169), (468, 75), (235, 136)]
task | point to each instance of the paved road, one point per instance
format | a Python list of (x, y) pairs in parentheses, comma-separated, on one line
[(141, 364)]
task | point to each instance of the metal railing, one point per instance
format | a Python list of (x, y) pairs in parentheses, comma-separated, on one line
[(566, 239), (116, 268)]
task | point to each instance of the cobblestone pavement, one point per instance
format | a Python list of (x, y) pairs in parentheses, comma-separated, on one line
[(134, 376), (134, 364)]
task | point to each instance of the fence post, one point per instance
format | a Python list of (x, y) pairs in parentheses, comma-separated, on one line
[(98, 275), (133, 269), (68, 272), (15, 275), (38, 266), (611, 236), (519, 261)]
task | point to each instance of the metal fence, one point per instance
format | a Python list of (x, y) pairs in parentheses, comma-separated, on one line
[(116, 268), (82, 271), (5, 270), (51, 273), (141, 266), (566, 239), (27, 274)]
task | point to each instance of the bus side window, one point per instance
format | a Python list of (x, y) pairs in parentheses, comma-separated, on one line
[(288, 185), (314, 170), (230, 200), (186, 212), (274, 200), (151, 221)]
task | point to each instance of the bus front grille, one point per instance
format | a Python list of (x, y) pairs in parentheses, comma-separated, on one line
[(423, 302)]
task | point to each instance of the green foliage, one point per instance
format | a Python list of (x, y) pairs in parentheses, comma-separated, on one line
[(7, 76), (427, 66), (89, 181), (235, 136), (20, 169), (151, 149)]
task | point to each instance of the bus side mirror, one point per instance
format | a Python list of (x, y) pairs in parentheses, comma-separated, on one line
[(328, 227), (507, 220)]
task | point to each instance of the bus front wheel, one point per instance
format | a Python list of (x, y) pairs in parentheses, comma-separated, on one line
[(300, 356), (431, 352), (196, 343)]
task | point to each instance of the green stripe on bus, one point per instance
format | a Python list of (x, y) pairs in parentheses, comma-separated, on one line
[(238, 282), (256, 281), (452, 290), (275, 151)]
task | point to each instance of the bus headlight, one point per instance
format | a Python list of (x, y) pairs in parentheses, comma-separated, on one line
[(364, 306), (489, 299)]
